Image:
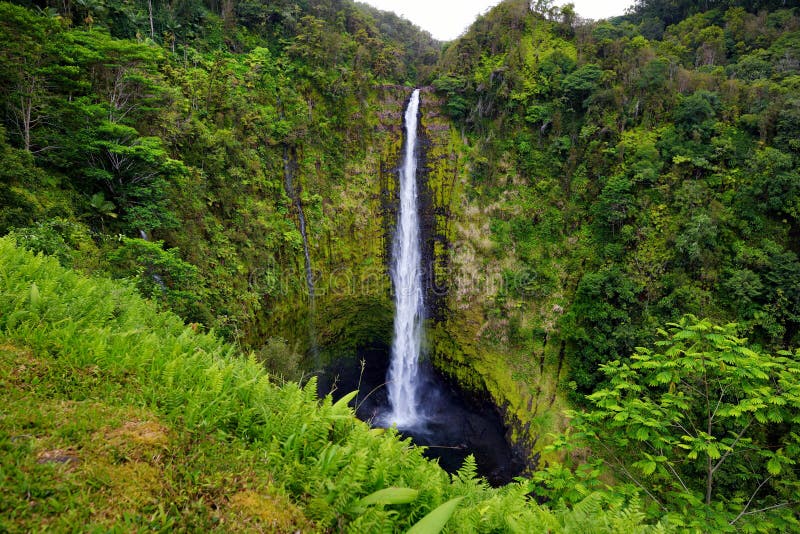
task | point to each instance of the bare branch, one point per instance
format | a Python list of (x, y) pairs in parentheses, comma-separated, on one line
[(624, 469), (44, 149), (729, 451), (680, 480), (721, 396), (753, 496), (685, 430), (765, 509), (773, 507)]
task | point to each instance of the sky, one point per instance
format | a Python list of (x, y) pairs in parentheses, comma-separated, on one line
[(447, 19)]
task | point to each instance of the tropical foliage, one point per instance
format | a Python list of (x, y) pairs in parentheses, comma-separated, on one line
[(703, 423), (591, 188), (82, 341)]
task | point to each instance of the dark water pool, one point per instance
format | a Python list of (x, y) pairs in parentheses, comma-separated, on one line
[(456, 424)]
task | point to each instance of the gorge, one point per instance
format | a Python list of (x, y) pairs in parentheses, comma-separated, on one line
[(211, 212), (398, 387)]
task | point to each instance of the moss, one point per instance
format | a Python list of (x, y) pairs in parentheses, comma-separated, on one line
[(350, 235), (483, 373), (135, 439), (112, 466), (349, 324), (480, 370), (482, 337), (133, 486), (249, 511)]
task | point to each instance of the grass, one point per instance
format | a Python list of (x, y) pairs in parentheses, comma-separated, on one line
[(105, 465)]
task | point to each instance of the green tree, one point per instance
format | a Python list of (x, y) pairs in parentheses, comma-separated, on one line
[(695, 110), (27, 57), (703, 422), (162, 275), (136, 172), (614, 203), (773, 185), (599, 326), (578, 85)]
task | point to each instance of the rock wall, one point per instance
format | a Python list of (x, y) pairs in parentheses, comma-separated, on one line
[(457, 283), (350, 246)]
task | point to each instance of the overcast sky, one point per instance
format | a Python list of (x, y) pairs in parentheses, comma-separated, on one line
[(447, 19)]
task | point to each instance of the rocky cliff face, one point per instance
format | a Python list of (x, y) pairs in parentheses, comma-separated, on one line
[(350, 248), (350, 236), (464, 277)]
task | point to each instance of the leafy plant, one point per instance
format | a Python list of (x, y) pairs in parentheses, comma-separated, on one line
[(695, 424), (341, 473)]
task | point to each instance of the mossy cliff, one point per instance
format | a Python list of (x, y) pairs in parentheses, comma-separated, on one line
[(466, 287), (349, 238), (350, 241)]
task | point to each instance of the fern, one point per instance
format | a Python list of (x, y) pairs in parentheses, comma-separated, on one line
[(374, 520), (314, 450), (467, 474), (590, 505)]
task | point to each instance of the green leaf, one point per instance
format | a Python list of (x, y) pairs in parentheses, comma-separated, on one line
[(434, 522), (664, 377), (389, 496), (35, 297), (647, 467), (774, 466), (344, 401)]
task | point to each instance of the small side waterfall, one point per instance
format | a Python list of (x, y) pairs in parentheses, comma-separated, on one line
[(156, 278), (288, 178), (406, 271)]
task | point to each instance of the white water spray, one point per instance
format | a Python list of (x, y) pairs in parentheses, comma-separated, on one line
[(407, 277)]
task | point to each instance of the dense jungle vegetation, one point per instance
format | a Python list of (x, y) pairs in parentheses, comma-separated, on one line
[(616, 207)]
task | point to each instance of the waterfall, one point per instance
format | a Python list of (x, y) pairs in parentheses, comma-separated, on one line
[(156, 278), (288, 177), (295, 198), (406, 271)]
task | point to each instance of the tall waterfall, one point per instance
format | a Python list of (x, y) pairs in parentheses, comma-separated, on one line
[(407, 278)]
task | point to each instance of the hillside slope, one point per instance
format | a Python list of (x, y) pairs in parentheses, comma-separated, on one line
[(191, 154), (119, 416), (617, 182)]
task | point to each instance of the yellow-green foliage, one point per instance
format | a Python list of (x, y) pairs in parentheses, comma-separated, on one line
[(532, 406), (470, 345), (348, 235), (141, 422), (104, 463)]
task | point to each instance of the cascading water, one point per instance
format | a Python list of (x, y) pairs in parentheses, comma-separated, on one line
[(433, 413), (156, 278), (288, 182), (406, 273), (290, 190)]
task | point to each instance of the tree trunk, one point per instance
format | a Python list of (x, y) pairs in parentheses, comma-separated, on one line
[(26, 114), (150, 13), (25, 109)]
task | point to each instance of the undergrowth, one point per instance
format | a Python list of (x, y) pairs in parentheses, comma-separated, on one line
[(88, 365)]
